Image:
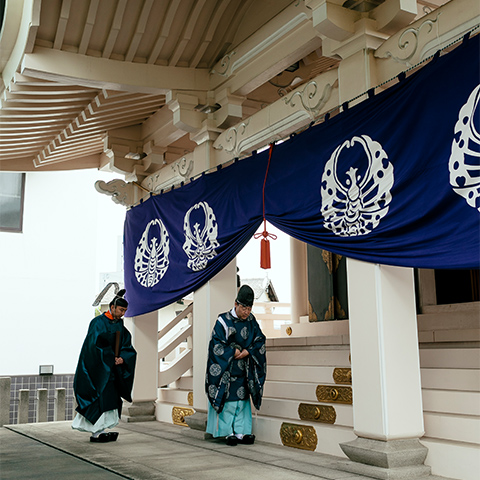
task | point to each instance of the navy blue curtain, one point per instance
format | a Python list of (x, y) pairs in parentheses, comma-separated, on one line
[(394, 180)]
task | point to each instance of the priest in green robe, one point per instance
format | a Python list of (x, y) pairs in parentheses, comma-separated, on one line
[(104, 373)]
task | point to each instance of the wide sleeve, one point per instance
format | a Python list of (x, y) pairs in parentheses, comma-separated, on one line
[(125, 373), (257, 365), (220, 355), (94, 365)]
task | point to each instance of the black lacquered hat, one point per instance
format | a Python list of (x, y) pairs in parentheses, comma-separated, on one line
[(245, 296)]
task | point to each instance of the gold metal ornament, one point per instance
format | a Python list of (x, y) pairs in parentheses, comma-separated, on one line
[(190, 398), (179, 414), (330, 394), (342, 375), (298, 436), (289, 331), (317, 413)]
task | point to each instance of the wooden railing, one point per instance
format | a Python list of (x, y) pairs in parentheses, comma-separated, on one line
[(175, 355), (270, 321)]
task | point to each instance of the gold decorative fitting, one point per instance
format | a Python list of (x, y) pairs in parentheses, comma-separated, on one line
[(342, 375), (179, 414), (190, 398), (298, 436), (317, 413), (288, 331), (329, 394)]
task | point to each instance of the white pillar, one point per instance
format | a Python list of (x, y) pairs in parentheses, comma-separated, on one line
[(215, 297), (387, 395), (384, 350), (144, 330), (299, 279)]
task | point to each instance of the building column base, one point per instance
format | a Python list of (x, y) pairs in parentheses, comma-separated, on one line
[(197, 421), (386, 460), (139, 411)]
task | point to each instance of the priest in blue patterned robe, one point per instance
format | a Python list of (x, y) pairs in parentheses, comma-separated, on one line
[(236, 371)]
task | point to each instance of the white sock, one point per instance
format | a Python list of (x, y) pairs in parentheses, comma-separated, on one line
[(95, 435), (239, 435)]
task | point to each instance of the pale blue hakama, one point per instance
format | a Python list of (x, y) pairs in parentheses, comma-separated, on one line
[(235, 418)]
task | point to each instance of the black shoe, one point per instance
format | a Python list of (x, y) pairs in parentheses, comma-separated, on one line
[(102, 438), (231, 440), (247, 440), (112, 436)]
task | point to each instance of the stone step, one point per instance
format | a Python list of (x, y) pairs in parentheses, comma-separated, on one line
[(173, 395), (296, 357), (457, 428), (468, 358), (451, 379), (304, 392), (301, 373), (288, 410), (185, 382), (267, 429), (459, 403)]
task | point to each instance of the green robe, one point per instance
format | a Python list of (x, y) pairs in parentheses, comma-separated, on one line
[(99, 384)]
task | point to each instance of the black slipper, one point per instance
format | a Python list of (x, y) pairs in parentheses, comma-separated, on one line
[(102, 438), (112, 436)]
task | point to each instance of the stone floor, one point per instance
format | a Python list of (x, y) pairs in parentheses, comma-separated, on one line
[(153, 450)]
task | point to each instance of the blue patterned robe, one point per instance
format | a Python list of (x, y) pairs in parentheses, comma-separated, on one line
[(228, 379)]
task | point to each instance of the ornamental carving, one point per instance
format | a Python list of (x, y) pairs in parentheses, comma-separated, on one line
[(190, 398), (298, 436), (410, 40), (120, 191), (232, 143), (307, 97), (342, 375), (317, 413), (331, 394), (179, 414)]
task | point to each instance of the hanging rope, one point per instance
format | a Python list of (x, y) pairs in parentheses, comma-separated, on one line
[(265, 243)]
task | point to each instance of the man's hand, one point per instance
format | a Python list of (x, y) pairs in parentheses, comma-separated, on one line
[(118, 360), (240, 354)]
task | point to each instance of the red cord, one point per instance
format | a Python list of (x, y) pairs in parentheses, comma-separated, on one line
[(265, 248)]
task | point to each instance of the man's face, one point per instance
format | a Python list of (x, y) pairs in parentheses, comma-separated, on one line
[(118, 312), (242, 311)]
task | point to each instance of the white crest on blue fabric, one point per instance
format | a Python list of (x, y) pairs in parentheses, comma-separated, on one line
[(464, 163), (215, 369), (355, 200), (212, 390), (201, 241), (241, 393), (151, 258), (218, 349)]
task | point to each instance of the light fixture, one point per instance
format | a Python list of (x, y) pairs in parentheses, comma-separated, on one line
[(46, 370)]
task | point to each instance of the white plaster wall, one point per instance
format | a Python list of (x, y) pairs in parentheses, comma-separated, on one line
[(49, 274)]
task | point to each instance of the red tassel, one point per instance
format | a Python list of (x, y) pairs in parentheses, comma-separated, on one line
[(265, 253), (265, 244)]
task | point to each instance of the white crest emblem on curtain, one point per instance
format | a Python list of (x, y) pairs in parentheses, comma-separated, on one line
[(200, 242), (151, 258), (354, 202), (464, 164)]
